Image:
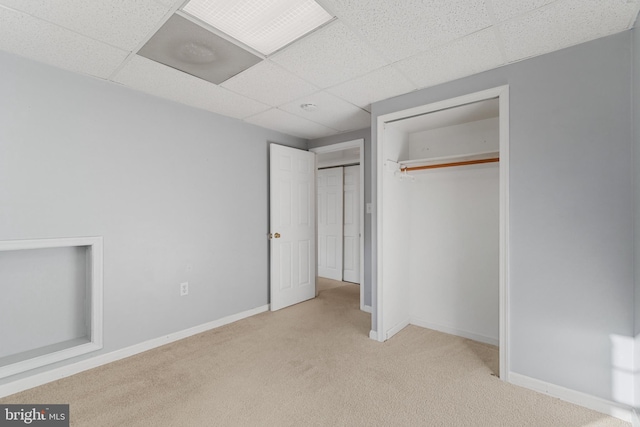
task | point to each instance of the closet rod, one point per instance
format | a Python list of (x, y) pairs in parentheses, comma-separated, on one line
[(446, 165)]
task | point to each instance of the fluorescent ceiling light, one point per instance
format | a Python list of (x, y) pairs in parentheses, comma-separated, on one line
[(264, 25)]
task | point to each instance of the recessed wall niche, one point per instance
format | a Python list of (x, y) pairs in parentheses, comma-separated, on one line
[(51, 305)]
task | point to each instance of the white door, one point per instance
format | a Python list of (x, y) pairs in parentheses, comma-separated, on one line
[(351, 267), (292, 226), (330, 223)]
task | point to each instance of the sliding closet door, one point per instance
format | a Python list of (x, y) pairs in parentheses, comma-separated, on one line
[(351, 268), (330, 223)]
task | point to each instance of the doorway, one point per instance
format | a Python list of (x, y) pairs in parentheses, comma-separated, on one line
[(397, 274), (345, 155), (338, 190)]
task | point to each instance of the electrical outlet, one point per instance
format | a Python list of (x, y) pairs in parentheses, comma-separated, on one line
[(184, 288)]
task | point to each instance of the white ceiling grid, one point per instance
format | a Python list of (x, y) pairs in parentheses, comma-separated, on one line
[(56, 45), (507, 9), (120, 23), (402, 29), (376, 49), (335, 112), (329, 56), (154, 78), (468, 55), (565, 23), (270, 84), (377, 85), (288, 123)]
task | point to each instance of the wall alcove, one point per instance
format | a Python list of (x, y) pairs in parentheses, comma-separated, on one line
[(51, 308), (442, 219)]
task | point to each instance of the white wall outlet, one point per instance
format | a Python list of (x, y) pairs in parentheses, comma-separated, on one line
[(184, 288)]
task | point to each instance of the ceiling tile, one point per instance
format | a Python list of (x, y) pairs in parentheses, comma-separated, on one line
[(332, 112), (402, 29), (170, 3), (469, 55), (381, 84), (151, 77), (269, 83), (146, 75), (222, 101), (282, 121), (121, 23), (329, 56), (42, 41), (564, 23), (507, 9)]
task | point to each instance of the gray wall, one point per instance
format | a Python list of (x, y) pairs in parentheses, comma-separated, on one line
[(571, 206), (179, 194), (336, 139)]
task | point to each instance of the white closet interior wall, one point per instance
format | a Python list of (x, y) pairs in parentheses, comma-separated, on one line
[(441, 233), (397, 232)]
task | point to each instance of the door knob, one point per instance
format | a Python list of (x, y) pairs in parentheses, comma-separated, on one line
[(277, 235)]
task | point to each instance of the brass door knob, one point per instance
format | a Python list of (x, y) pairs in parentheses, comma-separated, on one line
[(277, 235)]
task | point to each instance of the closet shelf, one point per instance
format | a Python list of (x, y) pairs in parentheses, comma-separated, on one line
[(448, 161)]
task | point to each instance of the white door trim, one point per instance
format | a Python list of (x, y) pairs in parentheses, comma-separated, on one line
[(502, 93), (356, 143)]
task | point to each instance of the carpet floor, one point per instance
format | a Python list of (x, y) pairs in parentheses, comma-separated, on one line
[(311, 364)]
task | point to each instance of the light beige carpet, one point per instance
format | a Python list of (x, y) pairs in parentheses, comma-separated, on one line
[(308, 365)]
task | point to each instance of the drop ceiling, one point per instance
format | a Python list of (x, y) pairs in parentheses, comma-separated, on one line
[(373, 50)]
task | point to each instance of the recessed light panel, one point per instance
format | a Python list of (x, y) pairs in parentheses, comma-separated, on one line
[(263, 25)]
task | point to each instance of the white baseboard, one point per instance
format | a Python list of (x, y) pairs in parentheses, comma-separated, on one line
[(103, 359), (588, 401), (397, 328), (373, 335), (366, 308), (454, 331)]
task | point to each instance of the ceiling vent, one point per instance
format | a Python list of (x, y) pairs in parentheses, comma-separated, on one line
[(188, 47)]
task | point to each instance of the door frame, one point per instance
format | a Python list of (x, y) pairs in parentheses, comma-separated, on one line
[(356, 143), (502, 93)]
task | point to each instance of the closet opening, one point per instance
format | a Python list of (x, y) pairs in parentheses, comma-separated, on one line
[(442, 219), (340, 216)]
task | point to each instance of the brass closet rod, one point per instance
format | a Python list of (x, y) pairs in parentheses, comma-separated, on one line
[(446, 165)]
